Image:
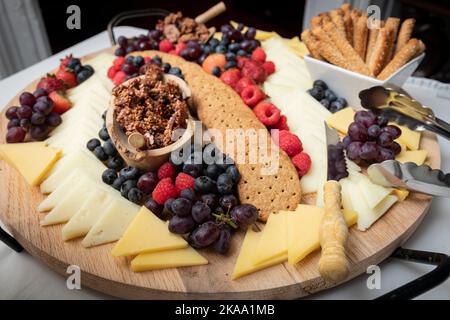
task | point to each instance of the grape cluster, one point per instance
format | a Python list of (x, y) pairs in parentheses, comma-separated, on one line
[(34, 116), (140, 43), (370, 139), (327, 97)]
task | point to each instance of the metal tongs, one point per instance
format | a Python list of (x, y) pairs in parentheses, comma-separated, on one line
[(397, 105)]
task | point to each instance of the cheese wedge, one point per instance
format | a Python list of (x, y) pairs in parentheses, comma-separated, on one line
[(33, 160), (417, 156), (147, 233), (401, 194), (273, 241), (245, 262), (341, 120), (112, 224), (409, 137), (303, 230), (373, 193), (185, 257)]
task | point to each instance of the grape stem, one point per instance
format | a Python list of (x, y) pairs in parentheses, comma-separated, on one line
[(221, 218)]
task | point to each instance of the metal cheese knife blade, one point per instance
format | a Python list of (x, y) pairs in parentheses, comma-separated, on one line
[(336, 166), (423, 179)]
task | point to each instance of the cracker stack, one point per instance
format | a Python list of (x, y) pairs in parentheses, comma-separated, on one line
[(343, 37)]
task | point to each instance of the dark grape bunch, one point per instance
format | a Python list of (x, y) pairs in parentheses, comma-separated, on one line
[(140, 43), (337, 167), (34, 117), (370, 139), (327, 97)]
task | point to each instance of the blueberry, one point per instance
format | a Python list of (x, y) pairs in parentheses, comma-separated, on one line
[(194, 170), (78, 68), (226, 162), (213, 42), (175, 71), (216, 71), (234, 47), (89, 68), (221, 48), (325, 102), (335, 106), (233, 172), (115, 163), (204, 184), (342, 101), (157, 59), (135, 195), (188, 193), (73, 63), (213, 171), (241, 53), (109, 148), (224, 184), (92, 144), (130, 173), (109, 176), (83, 75), (117, 184), (129, 60), (317, 93), (330, 95), (103, 134), (230, 65), (320, 83), (138, 61), (166, 66), (207, 49), (224, 41), (126, 187), (100, 153), (230, 56)]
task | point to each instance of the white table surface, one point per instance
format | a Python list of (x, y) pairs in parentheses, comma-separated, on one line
[(24, 277)]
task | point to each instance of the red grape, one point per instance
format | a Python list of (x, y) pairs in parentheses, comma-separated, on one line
[(13, 123), (396, 148), (373, 131), (147, 182), (393, 131), (53, 119), (201, 212), (24, 112), (357, 132), (222, 244), (205, 235), (37, 118), (40, 92), (369, 151), (11, 113), (365, 118), (353, 150), (244, 215), (385, 139), (39, 133), (181, 225), (385, 154), (15, 135), (27, 99)]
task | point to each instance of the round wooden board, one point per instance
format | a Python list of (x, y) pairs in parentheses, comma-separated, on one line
[(102, 272)]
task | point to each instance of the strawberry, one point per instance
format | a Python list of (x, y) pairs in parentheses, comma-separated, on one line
[(50, 83), (243, 83), (67, 77), (259, 55), (65, 61), (60, 102), (231, 77)]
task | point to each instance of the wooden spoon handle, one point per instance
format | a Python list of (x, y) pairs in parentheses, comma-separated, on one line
[(136, 140), (211, 13)]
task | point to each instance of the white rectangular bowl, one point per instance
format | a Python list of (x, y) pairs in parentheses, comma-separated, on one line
[(348, 84)]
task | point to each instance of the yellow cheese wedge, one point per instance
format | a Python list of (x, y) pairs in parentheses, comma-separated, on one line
[(245, 262), (186, 257), (341, 119), (303, 230), (401, 194), (147, 233), (33, 159), (417, 156), (260, 34), (273, 241), (409, 137)]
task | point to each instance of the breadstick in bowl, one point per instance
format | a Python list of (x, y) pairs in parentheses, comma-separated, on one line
[(333, 263)]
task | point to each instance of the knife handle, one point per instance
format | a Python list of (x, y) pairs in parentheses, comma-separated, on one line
[(333, 263)]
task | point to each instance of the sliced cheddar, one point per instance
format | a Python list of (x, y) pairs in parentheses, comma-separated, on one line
[(401, 194), (341, 119), (273, 241), (185, 257), (409, 137), (417, 156), (245, 262), (147, 233), (33, 159)]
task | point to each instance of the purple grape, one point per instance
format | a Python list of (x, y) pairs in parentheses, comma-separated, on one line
[(181, 225), (373, 131), (181, 207), (147, 182), (385, 139), (369, 151), (154, 207), (244, 215), (40, 92), (353, 150), (357, 132), (188, 193), (205, 235), (39, 133), (43, 107), (228, 202), (396, 148), (130, 48), (246, 45), (235, 35), (225, 28), (393, 131), (25, 124), (382, 121), (24, 112), (385, 154), (27, 99), (37, 118), (250, 33), (222, 244), (210, 199), (155, 34), (129, 68), (13, 123), (122, 41), (53, 119), (346, 141), (11, 113), (145, 45), (365, 118), (120, 52), (15, 135), (201, 212)]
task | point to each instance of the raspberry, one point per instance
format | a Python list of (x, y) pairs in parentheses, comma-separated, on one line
[(289, 143), (165, 46), (164, 191), (231, 77), (179, 47), (243, 83), (184, 181), (174, 52), (147, 59), (267, 113), (269, 66), (119, 77), (252, 95), (241, 61), (259, 55), (118, 62), (167, 170), (302, 162), (281, 124), (112, 72), (255, 71)]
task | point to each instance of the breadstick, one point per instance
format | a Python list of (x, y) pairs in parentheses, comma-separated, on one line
[(360, 34), (348, 23), (355, 14), (392, 24), (325, 17), (379, 52), (346, 49), (337, 19), (311, 43), (315, 22), (333, 263), (405, 33), (373, 33), (413, 48), (346, 7)]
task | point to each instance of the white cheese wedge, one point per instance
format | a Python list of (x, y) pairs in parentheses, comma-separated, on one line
[(373, 193), (112, 224)]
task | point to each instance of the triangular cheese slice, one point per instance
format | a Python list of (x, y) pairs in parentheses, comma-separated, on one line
[(417, 156), (33, 159), (245, 261), (186, 257), (147, 233), (273, 241), (341, 120)]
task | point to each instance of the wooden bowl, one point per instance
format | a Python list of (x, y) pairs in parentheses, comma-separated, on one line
[(147, 159)]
